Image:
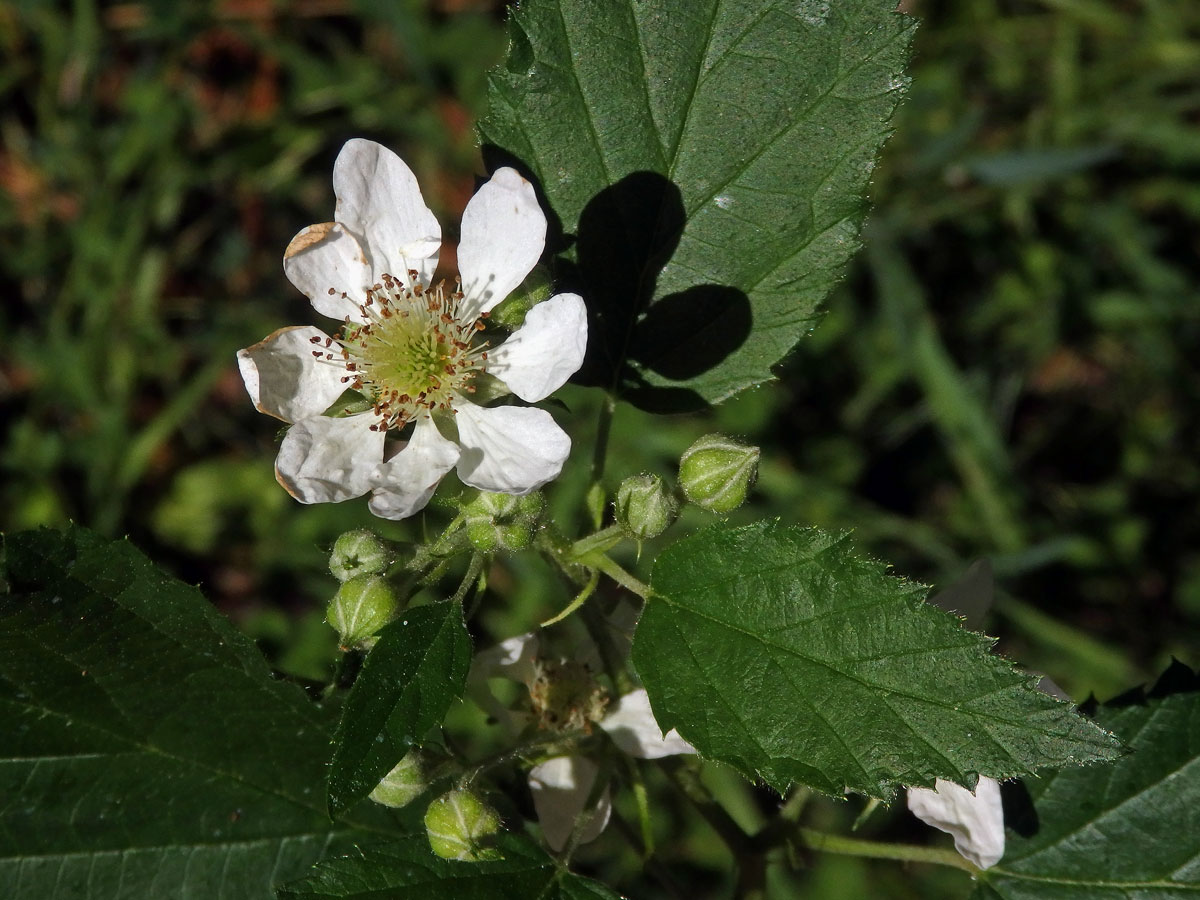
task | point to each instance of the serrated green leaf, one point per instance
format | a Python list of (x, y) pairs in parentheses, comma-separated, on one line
[(410, 678), (407, 868), (1130, 831), (146, 750), (709, 160), (779, 651)]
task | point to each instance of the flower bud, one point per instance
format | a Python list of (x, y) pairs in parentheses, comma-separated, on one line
[(405, 783), (715, 472), (458, 825), (501, 521), (359, 552), (644, 507), (362, 606), (533, 290)]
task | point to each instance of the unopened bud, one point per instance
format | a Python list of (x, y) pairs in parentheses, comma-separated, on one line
[(405, 783), (715, 472), (359, 552), (459, 825), (361, 607), (533, 290), (644, 507), (501, 521)]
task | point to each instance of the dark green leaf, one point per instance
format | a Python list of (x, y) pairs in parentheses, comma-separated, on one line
[(1130, 830), (710, 161), (407, 868), (147, 750), (777, 650), (409, 679)]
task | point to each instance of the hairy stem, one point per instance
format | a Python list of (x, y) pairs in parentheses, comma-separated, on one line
[(603, 428), (614, 571)]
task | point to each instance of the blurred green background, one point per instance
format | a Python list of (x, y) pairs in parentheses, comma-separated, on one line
[(1010, 371)]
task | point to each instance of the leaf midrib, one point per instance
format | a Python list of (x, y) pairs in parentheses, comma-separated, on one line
[(832, 668)]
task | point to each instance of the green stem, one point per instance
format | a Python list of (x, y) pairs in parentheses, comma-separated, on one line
[(580, 599), (746, 848), (473, 570), (600, 542), (614, 571), (504, 757), (591, 552), (437, 552), (848, 846), (603, 428), (689, 784)]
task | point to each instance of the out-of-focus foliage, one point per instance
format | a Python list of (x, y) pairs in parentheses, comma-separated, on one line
[(1009, 371)]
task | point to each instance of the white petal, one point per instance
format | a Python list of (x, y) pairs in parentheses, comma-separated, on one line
[(632, 727), (544, 352), (284, 379), (380, 203), (560, 789), (503, 235), (976, 820), (511, 658), (409, 478), (327, 256), (327, 460), (509, 449)]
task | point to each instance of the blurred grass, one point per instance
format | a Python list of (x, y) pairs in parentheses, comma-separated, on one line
[(1010, 370)]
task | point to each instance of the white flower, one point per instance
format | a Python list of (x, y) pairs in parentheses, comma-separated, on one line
[(976, 820), (413, 348), (561, 786)]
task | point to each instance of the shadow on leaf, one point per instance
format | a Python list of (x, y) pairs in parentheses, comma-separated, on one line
[(627, 233)]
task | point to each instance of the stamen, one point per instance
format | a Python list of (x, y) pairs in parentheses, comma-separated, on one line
[(411, 353)]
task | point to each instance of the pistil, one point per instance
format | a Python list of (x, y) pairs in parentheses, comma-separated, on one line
[(410, 353)]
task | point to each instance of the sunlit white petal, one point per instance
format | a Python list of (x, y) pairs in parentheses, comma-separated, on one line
[(380, 203), (503, 235), (284, 380), (545, 351), (560, 788), (327, 460), (327, 256), (631, 725), (509, 449), (408, 479), (976, 820)]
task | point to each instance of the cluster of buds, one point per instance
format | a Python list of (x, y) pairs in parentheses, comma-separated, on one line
[(365, 601), (715, 473), (496, 522)]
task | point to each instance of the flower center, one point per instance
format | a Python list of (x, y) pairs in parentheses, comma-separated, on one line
[(565, 696), (411, 354)]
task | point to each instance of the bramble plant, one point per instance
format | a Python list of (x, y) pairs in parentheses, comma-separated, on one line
[(671, 197)]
